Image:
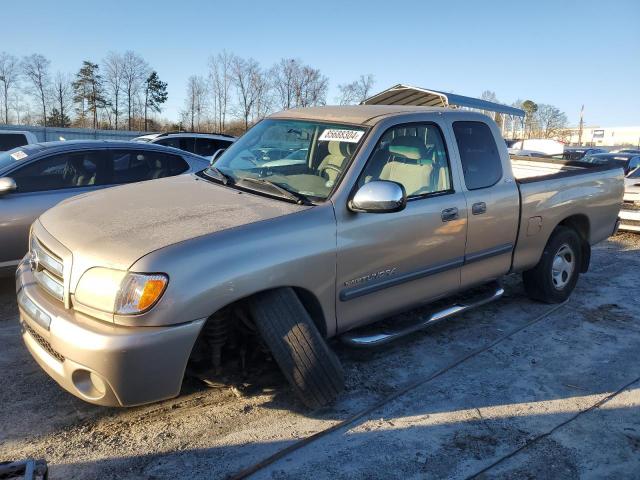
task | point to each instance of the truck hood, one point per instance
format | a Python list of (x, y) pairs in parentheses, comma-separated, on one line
[(116, 226)]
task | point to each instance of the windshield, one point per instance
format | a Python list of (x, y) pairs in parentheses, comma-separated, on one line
[(302, 157)]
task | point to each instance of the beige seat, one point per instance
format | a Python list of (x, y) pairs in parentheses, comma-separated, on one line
[(409, 165), (331, 165), (416, 178)]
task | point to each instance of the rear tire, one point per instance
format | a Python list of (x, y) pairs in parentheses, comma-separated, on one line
[(311, 368), (555, 276)]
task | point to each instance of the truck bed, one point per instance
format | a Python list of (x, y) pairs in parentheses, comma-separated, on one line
[(527, 169), (552, 191)]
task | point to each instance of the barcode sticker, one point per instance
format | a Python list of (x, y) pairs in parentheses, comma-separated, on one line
[(19, 155), (334, 134)]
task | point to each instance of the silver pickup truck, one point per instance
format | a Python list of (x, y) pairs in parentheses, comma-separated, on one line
[(315, 224)]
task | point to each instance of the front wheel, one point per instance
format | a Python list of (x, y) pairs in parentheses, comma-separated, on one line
[(555, 276), (306, 361)]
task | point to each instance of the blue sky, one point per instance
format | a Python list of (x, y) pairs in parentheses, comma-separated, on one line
[(561, 52)]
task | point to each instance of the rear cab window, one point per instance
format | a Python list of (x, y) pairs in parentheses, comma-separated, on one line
[(481, 163), (9, 141)]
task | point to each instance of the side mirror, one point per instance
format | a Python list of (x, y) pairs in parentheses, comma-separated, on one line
[(379, 196), (7, 185), (215, 156)]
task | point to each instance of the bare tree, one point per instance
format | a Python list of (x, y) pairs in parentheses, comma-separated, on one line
[(243, 73), (9, 76), (298, 85), (284, 75), (35, 68), (357, 91), (195, 103), (550, 121), (113, 66), (220, 78), (134, 72), (311, 88), (63, 100)]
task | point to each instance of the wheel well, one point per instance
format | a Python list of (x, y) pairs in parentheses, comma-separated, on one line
[(580, 224), (308, 299)]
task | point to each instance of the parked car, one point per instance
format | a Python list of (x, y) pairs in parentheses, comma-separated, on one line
[(627, 150), (35, 177), (577, 153), (544, 145), (10, 139), (394, 207), (203, 144), (628, 161)]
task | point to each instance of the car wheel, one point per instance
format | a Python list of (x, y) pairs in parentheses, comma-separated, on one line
[(555, 276), (311, 368)]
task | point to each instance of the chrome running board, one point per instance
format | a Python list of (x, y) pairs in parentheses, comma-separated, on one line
[(367, 337)]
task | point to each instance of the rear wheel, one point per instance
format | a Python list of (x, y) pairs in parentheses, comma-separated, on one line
[(311, 368), (555, 276)]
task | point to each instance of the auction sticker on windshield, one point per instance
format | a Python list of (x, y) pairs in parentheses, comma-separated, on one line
[(19, 155), (334, 134)]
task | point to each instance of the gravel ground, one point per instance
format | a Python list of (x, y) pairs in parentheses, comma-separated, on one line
[(557, 398)]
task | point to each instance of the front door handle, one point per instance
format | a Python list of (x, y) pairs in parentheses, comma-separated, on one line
[(449, 214), (479, 208)]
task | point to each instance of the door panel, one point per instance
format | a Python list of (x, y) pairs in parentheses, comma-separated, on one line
[(42, 184), (391, 262), (491, 235), (394, 261), (19, 210), (493, 201)]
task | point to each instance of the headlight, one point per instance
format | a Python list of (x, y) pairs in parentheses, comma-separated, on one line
[(139, 292), (117, 291)]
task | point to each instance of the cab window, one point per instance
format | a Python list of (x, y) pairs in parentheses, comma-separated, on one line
[(481, 164), (413, 155)]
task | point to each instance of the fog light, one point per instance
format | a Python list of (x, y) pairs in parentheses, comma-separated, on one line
[(89, 384)]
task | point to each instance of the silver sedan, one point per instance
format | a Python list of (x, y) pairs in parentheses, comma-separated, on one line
[(34, 178)]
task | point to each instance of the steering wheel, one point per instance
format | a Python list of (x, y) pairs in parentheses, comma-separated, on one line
[(251, 158), (330, 167)]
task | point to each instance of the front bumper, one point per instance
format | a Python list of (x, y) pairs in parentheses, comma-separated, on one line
[(99, 362), (630, 217)]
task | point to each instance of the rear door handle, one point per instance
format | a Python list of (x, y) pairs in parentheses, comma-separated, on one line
[(479, 208), (449, 214)]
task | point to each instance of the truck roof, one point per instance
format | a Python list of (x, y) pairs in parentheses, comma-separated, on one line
[(359, 114)]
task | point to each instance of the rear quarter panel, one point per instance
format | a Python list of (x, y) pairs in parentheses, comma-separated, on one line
[(595, 195)]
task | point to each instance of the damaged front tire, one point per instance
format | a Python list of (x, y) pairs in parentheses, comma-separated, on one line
[(306, 361)]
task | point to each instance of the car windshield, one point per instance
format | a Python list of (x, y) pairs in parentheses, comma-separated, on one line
[(301, 157), (634, 173)]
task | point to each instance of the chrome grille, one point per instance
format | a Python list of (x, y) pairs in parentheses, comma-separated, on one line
[(47, 269)]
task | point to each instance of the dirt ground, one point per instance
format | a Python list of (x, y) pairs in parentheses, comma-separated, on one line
[(495, 394)]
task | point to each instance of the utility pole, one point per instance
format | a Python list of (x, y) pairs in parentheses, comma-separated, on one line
[(581, 126)]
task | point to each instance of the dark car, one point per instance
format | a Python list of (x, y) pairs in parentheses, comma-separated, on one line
[(34, 178), (577, 153), (628, 161)]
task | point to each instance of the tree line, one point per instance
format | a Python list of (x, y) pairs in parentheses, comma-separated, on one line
[(541, 120), (122, 91)]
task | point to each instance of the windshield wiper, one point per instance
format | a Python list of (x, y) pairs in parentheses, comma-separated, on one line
[(223, 177), (299, 198)]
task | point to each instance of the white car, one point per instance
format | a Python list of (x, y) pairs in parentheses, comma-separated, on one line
[(10, 139), (544, 145), (203, 144)]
